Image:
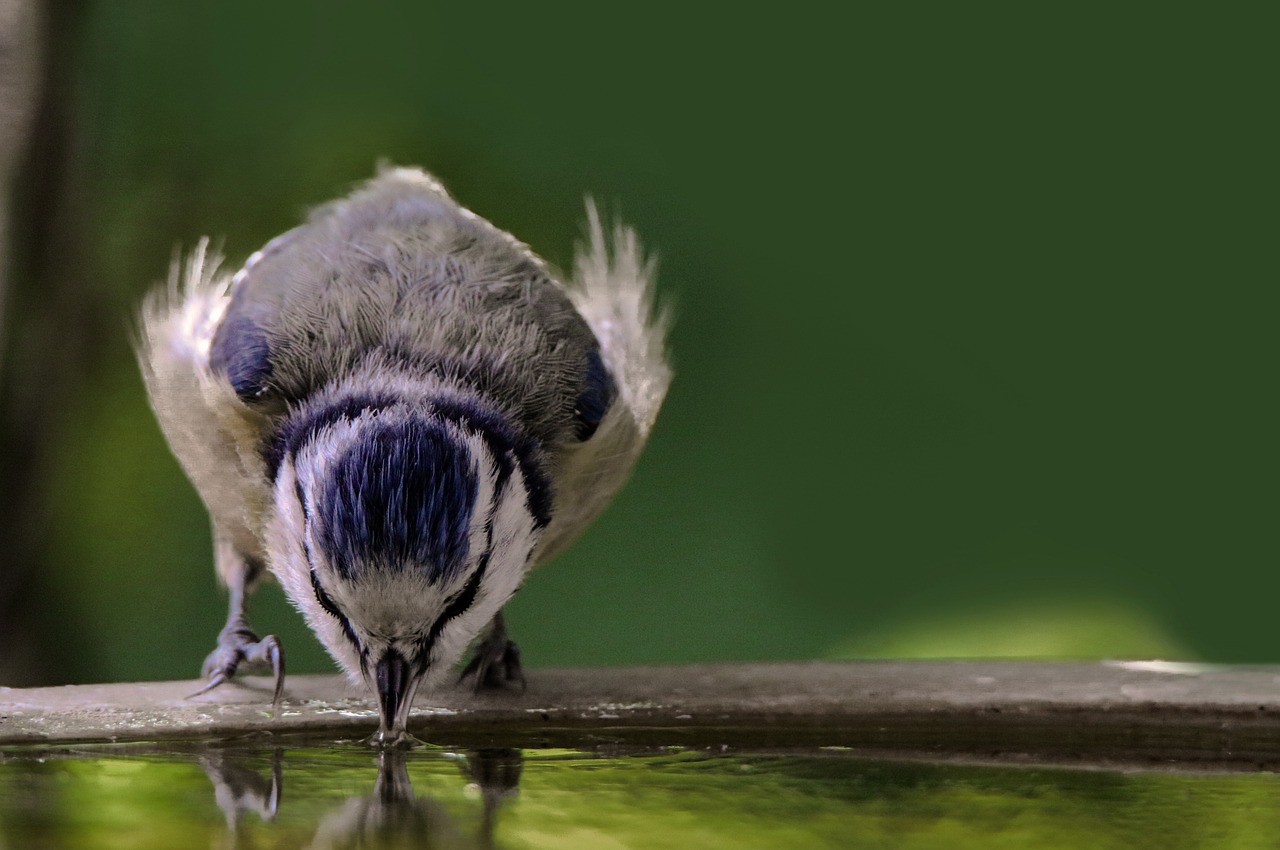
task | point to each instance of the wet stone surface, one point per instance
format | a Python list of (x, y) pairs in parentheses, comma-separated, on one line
[(1109, 712)]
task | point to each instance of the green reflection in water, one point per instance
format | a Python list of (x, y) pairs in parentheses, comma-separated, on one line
[(338, 797)]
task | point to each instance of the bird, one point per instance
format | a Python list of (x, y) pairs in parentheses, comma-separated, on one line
[(397, 410)]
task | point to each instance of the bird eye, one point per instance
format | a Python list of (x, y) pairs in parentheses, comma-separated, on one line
[(326, 602)]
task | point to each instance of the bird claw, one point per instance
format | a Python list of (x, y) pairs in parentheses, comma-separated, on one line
[(238, 646), (495, 664), (215, 680)]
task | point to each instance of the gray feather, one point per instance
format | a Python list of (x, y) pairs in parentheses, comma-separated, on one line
[(398, 274)]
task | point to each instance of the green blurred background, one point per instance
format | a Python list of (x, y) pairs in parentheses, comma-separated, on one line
[(974, 346)]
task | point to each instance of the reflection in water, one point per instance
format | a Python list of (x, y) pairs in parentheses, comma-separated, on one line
[(496, 774), (155, 797), (393, 816), (238, 789)]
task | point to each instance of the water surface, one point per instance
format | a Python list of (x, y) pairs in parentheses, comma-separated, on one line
[(343, 795)]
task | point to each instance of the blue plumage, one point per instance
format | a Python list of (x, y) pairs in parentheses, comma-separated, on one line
[(297, 430), (503, 440), (595, 397), (400, 498), (240, 349)]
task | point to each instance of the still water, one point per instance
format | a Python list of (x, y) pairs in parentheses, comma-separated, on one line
[(344, 795)]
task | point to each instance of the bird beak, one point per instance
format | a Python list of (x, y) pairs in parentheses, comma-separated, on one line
[(396, 682)]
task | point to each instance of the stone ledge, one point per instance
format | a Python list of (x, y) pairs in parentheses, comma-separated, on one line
[(1083, 711)]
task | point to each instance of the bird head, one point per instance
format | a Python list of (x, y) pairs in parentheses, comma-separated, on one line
[(400, 529)]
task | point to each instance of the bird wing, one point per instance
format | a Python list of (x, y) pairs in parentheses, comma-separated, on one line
[(612, 288), (214, 435), (206, 362), (397, 280)]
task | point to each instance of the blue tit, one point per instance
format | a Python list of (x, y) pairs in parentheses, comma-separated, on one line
[(397, 410)]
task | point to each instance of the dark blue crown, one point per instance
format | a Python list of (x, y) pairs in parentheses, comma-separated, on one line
[(401, 497)]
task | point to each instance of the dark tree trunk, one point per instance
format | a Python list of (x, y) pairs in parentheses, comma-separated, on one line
[(44, 332)]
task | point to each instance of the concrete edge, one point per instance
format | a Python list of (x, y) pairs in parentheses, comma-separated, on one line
[(1157, 711)]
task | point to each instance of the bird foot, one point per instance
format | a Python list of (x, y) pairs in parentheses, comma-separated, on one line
[(239, 645), (495, 663)]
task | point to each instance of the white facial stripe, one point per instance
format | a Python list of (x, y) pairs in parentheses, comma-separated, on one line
[(286, 533), (510, 534), (399, 608), (514, 536)]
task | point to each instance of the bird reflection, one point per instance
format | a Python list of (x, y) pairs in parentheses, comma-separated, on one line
[(238, 789), (496, 774), (392, 817)]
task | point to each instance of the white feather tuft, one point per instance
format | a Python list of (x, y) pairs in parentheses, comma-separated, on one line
[(211, 432), (612, 287), (182, 316), (613, 290)]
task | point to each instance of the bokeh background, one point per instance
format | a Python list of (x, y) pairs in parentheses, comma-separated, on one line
[(975, 346)]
